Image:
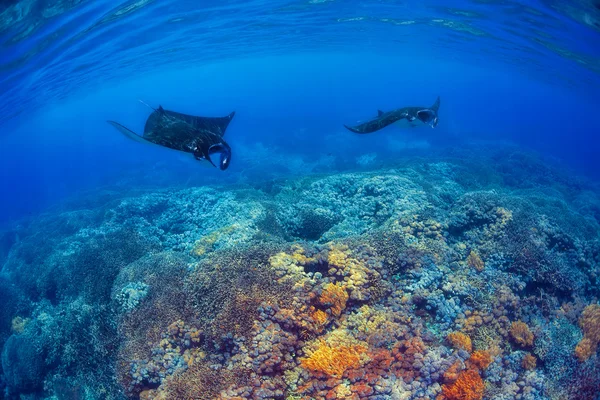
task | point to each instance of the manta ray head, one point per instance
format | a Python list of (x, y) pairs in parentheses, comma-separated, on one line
[(428, 117), (224, 152)]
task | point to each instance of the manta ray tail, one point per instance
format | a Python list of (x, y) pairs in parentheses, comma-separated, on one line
[(147, 105)]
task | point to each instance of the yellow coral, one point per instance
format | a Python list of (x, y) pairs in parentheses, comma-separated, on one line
[(354, 271), (18, 324), (320, 320), (338, 255), (299, 257), (207, 243), (460, 340), (504, 215), (475, 261), (290, 267), (334, 360)]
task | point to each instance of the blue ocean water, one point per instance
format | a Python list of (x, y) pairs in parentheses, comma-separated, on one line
[(460, 262), (294, 71)]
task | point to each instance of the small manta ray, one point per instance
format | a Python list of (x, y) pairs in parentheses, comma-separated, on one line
[(412, 115), (200, 136)]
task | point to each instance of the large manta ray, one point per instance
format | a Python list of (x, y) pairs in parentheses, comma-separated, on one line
[(412, 115), (200, 136)]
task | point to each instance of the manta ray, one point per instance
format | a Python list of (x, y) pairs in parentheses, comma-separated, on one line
[(200, 136), (413, 115)]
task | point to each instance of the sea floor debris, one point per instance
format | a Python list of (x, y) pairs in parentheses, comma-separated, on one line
[(474, 277)]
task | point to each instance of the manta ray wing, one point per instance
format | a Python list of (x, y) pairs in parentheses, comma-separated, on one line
[(135, 137), (215, 125)]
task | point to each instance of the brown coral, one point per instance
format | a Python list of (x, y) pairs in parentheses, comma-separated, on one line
[(468, 386), (529, 362), (590, 325), (460, 341), (333, 360), (475, 261), (521, 334), (585, 348)]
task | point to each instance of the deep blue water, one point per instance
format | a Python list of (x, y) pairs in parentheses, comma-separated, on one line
[(461, 262), (294, 71)]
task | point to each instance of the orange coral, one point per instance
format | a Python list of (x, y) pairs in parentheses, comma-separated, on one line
[(335, 296), (585, 348), (481, 359), (320, 318), (529, 361), (475, 261), (451, 373), (334, 361), (590, 324), (468, 386), (460, 340), (521, 334)]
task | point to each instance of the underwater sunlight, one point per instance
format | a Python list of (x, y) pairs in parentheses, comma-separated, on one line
[(300, 199)]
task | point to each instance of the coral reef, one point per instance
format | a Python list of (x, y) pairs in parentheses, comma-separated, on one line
[(447, 278)]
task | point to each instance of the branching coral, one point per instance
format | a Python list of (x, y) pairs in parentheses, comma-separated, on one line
[(590, 324)]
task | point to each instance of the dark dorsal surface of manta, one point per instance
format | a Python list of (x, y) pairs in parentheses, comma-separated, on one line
[(200, 136), (414, 115)]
